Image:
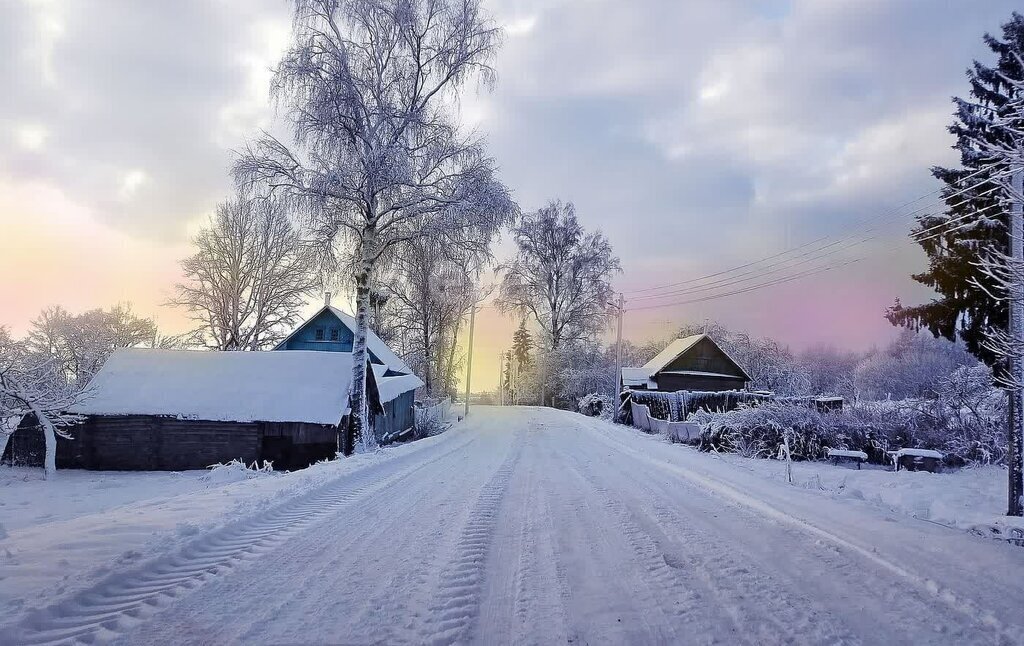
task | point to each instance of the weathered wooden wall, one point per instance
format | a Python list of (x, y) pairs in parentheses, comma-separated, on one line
[(141, 442), (399, 415), (671, 383)]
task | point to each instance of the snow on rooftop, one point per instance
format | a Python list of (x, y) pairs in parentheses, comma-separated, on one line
[(294, 386), (374, 343), (639, 376), (391, 387)]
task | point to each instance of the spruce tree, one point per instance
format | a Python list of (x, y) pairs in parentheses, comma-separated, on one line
[(968, 304), (522, 344), (964, 308)]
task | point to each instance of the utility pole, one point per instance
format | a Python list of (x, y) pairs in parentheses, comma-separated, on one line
[(469, 357), (543, 377), (618, 354), (1014, 456)]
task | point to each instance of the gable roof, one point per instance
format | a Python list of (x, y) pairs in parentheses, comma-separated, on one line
[(296, 386), (374, 343), (644, 374), (392, 386)]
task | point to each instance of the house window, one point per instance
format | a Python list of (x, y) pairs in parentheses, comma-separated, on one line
[(334, 334), (319, 334), (702, 363)]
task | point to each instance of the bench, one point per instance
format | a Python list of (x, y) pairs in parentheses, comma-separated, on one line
[(845, 455), (917, 460)]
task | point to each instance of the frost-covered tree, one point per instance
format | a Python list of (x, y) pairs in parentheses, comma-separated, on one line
[(522, 344), (561, 275), (912, 366), (377, 159), (77, 345), (965, 307), (247, 281), (33, 384), (430, 291)]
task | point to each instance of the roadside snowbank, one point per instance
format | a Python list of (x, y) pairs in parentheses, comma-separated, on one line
[(969, 499)]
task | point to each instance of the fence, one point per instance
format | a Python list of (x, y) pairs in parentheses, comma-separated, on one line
[(677, 406), (432, 411)]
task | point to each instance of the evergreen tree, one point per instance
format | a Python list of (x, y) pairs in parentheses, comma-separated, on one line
[(522, 344), (964, 307)]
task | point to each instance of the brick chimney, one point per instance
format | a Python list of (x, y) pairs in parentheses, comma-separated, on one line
[(327, 299)]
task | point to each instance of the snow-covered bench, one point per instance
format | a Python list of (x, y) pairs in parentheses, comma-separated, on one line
[(845, 455), (917, 459)]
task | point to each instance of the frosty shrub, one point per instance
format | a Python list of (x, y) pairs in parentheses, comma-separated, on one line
[(236, 471), (964, 421), (430, 426), (595, 405)]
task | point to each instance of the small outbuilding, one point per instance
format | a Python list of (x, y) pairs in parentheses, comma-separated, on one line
[(182, 409), (693, 363)]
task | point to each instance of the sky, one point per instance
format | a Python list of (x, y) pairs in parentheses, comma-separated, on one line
[(697, 136)]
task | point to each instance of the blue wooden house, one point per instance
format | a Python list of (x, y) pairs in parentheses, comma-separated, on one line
[(332, 330)]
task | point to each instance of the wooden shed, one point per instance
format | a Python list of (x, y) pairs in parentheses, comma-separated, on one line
[(694, 363), (179, 409)]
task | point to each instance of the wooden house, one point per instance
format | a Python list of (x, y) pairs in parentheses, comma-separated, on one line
[(332, 330), (149, 409), (694, 363)]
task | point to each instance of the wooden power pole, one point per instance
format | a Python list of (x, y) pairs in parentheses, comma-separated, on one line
[(469, 358)]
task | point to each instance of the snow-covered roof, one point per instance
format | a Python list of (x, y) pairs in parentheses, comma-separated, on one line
[(390, 387), (373, 342), (645, 374), (295, 386), (634, 377)]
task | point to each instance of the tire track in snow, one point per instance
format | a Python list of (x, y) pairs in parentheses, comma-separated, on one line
[(524, 603), (123, 601), (674, 596), (981, 619), (452, 615), (686, 565)]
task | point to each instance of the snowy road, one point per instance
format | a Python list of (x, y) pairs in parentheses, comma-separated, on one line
[(529, 526)]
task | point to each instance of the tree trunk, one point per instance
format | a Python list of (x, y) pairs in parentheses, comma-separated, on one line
[(1015, 490), (359, 431), (50, 436)]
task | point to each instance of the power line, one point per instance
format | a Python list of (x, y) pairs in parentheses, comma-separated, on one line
[(827, 237), (807, 257), (785, 279)]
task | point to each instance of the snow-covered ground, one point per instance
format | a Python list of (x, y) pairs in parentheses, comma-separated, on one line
[(519, 525), (970, 499)]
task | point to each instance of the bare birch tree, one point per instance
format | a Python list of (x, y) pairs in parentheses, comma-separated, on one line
[(368, 87), (33, 384), (429, 296), (561, 275), (247, 281)]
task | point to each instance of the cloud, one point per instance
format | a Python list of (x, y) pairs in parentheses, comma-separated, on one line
[(697, 135)]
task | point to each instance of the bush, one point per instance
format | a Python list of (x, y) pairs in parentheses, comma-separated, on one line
[(595, 405), (965, 422)]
